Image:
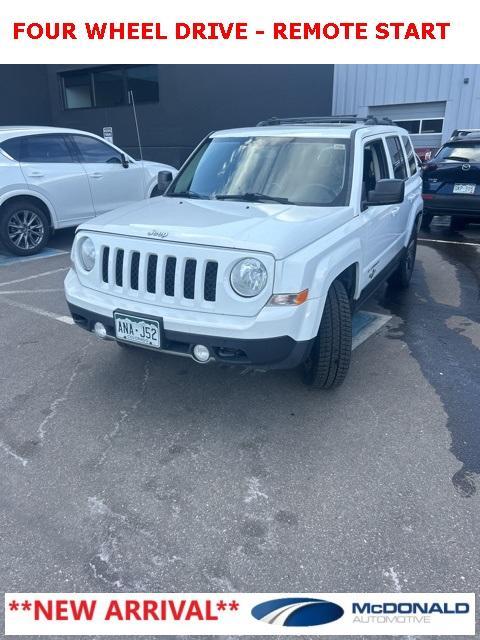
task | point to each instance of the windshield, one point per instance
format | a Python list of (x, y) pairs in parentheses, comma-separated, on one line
[(301, 171), (463, 152)]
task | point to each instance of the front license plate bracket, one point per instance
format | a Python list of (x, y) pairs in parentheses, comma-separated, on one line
[(140, 330)]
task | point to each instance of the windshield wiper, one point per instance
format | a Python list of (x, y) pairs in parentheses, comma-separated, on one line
[(458, 158), (253, 197), (187, 194)]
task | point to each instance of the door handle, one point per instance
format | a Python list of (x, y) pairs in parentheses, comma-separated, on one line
[(36, 174), (395, 211), (412, 197), (96, 175)]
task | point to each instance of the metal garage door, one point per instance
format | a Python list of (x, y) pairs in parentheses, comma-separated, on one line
[(424, 120)]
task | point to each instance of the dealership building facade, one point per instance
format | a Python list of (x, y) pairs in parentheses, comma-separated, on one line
[(429, 100), (177, 105)]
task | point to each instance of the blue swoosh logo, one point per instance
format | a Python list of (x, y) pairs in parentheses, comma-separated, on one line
[(297, 612)]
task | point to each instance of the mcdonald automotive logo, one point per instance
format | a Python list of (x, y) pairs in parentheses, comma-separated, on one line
[(297, 612)]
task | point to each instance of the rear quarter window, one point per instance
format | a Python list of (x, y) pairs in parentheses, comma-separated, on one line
[(12, 148)]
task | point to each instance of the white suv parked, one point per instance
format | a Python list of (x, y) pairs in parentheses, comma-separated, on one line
[(260, 249), (53, 178)]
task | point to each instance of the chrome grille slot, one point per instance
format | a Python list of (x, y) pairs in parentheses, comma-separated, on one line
[(210, 281), (189, 279), (170, 269), (119, 268), (106, 252), (134, 270), (152, 274)]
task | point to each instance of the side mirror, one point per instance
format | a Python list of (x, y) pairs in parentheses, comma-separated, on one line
[(125, 163), (387, 192), (163, 180)]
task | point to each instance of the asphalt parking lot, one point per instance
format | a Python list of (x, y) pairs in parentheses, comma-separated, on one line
[(125, 470)]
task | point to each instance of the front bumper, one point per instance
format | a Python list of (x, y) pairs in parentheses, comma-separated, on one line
[(264, 342)]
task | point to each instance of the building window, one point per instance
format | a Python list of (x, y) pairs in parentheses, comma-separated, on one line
[(432, 125), (412, 126), (143, 81), (77, 91), (421, 125), (109, 86)]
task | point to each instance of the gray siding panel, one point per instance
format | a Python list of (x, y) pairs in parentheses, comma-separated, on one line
[(357, 88)]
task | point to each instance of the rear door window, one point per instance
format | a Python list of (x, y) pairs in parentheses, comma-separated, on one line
[(397, 157), (45, 148), (412, 163)]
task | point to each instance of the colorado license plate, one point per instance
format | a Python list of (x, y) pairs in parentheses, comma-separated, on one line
[(464, 188), (137, 330)]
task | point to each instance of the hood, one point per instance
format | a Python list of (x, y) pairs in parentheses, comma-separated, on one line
[(272, 228)]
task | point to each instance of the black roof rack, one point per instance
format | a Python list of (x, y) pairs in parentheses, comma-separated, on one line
[(368, 120)]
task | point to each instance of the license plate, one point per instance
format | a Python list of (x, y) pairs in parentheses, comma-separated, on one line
[(469, 189), (137, 330)]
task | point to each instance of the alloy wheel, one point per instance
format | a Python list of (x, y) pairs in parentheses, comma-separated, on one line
[(25, 229)]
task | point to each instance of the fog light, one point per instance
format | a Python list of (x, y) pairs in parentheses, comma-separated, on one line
[(201, 353), (100, 330)]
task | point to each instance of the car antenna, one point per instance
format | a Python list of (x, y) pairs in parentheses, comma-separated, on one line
[(131, 100)]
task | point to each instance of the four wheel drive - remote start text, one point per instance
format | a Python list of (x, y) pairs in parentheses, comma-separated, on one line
[(260, 249)]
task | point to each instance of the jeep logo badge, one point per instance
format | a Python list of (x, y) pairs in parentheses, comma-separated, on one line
[(157, 234)]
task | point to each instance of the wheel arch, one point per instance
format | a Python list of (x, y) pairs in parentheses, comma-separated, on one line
[(348, 273), (34, 199)]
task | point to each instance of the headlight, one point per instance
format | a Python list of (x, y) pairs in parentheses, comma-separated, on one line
[(248, 277), (87, 254)]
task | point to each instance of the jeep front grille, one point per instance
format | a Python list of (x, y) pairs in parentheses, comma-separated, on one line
[(161, 275)]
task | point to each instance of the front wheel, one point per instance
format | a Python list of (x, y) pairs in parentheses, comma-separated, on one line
[(329, 359), (24, 228)]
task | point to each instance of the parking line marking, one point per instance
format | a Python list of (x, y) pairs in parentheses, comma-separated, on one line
[(17, 291), (468, 244), (377, 321), (7, 260), (39, 312), (36, 275)]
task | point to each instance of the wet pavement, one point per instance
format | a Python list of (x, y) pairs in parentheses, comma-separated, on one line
[(122, 470)]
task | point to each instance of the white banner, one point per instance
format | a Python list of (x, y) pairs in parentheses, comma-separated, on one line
[(252, 614), (246, 32)]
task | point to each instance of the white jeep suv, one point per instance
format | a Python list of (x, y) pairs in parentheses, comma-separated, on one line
[(260, 249), (52, 178)]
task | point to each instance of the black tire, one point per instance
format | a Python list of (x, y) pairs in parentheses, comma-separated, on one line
[(457, 223), (23, 223), (329, 359), (426, 220), (400, 278)]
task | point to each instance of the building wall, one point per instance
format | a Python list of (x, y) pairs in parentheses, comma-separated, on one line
[(25, 95), (359, 87), (196, 99)]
